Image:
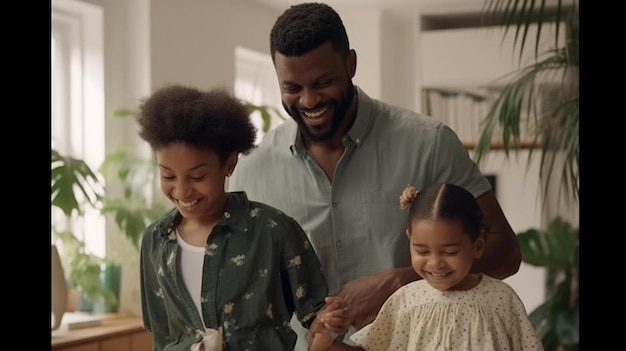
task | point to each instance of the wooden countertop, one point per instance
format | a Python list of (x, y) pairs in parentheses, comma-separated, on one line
[(111, 325)]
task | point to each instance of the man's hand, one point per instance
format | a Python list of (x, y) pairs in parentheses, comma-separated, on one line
[(366, 295)]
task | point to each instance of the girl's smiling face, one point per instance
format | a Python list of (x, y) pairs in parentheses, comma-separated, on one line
[(193, 179), (443, 254)]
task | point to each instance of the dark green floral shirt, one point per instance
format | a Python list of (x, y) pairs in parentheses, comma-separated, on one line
[(259, 268)]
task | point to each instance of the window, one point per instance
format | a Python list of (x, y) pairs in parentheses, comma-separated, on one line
[(255, 83), (77, 100)]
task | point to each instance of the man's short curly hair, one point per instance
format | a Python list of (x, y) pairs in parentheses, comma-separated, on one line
[(304, 27), (213, 119)]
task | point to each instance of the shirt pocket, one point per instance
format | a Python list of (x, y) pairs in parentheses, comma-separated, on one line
[(385, 227)]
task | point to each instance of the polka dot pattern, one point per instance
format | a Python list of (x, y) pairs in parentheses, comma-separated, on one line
[(489, 317)]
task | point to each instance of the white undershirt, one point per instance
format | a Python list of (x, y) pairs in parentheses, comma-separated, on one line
[(190, 264)]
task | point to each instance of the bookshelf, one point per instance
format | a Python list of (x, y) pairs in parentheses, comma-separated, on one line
[(465, 111), (464, 69)]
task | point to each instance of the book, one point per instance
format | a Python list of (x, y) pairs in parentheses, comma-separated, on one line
[(76, 320)]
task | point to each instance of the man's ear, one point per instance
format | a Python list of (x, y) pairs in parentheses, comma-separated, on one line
[(351, 62)]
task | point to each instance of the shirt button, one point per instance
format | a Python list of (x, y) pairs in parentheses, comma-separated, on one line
[(226, 214), (358, 141), (334, 204)]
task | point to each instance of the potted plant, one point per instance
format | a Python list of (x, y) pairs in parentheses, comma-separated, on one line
[(555, 142), (133, 210), (556, 248), (73, 187)]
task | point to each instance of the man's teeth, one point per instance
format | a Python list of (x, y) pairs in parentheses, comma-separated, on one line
[(187, 204), (315, 114)]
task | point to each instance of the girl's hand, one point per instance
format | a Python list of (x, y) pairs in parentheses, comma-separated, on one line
[(332, 318), (320, 341), (334, 315)]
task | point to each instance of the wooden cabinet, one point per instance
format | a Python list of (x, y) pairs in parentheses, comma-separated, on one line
[(116, 334), (141, 341), (92, 346)]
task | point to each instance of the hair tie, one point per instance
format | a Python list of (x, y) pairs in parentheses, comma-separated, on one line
[(408, 194)]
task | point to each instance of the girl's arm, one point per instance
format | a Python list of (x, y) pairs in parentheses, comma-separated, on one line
[(325, 342)]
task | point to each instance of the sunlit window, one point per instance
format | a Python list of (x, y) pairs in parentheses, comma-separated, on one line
[(77, 101), (255, 82)]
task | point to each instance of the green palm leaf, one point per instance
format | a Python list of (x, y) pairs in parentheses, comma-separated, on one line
[(520, 101)]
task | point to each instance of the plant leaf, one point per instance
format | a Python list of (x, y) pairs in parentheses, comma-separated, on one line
[(554, 248), (69, 174)]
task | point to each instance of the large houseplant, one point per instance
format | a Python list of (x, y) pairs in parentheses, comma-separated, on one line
[(557, 249), (74, 186), (555, 142), (522, 101)]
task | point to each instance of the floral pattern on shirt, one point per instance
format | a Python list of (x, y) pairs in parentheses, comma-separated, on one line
[(258, 262)]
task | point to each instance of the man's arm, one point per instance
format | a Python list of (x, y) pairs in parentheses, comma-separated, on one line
[(502, 256), (366, 295), (501, 259)]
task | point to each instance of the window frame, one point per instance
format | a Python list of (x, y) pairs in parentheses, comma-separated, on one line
[(77, 101)]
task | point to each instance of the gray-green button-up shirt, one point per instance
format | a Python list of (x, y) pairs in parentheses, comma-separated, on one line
[(259, 269), (355, 222)]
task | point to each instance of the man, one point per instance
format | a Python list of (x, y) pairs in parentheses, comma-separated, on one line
[(340, 165)]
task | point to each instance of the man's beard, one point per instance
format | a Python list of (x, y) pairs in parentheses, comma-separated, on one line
[(340, 109)]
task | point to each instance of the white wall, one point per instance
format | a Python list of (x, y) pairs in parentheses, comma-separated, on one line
[(474, 57), (519, 195), (385, 55), (193, 42)]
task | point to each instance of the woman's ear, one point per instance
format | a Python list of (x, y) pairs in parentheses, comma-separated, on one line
[(231, 162)]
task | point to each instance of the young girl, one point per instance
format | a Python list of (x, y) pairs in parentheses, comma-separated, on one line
[(449, 309), (219, 271)]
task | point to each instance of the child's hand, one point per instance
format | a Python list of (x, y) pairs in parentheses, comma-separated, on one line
[(334, 315), (332, 318), (320, 341)]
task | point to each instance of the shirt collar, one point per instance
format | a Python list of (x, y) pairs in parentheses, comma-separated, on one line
[(235, 216), (237, 211), (360, 129)]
